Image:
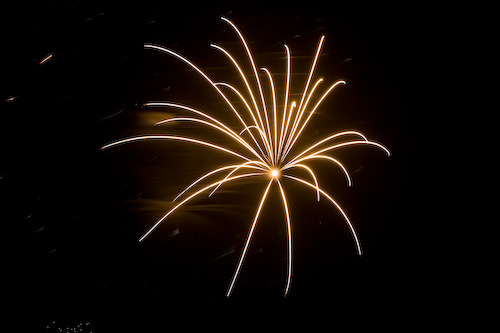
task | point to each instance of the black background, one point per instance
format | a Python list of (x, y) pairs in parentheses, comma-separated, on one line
[(72, 214)]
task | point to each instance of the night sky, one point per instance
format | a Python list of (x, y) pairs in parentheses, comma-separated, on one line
[(74, 76)]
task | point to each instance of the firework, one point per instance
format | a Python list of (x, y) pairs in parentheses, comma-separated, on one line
[(267, 136)]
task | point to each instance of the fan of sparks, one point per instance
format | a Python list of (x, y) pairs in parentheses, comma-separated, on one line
[(267, 134)]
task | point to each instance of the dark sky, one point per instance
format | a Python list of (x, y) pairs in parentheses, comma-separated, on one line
[(72, 214)]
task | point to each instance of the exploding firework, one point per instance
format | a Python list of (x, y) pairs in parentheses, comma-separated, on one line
[(267, 136)]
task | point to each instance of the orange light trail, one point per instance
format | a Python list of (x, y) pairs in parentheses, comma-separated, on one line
[(268, 153)]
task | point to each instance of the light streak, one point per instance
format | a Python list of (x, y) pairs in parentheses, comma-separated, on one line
[(310, 157), (171, 137), (351, 227), (289, 239), (191, 197), (208, 174), (269, 153), (249, 238), (46, 58)]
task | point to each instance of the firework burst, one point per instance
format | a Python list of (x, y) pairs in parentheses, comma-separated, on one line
[(266, 136)]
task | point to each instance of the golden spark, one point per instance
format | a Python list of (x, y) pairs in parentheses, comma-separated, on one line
[(266, 136)]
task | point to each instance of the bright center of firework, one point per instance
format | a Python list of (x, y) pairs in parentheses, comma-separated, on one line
[(275, 173)]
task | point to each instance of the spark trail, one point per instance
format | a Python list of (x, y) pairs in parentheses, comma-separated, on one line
[(266, 138)]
